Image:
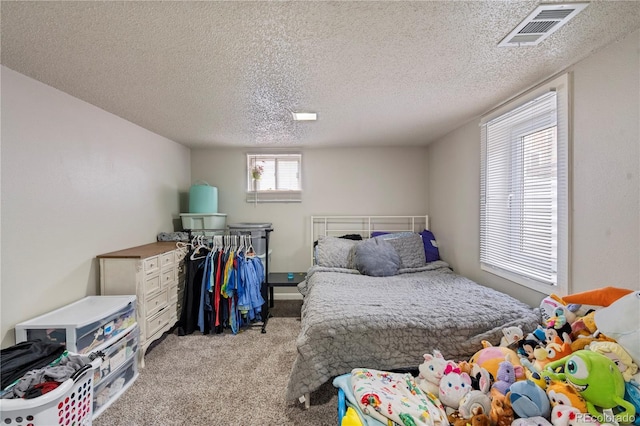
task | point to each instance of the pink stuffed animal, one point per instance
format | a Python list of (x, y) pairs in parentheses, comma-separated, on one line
[(454, 385), (431, 372)]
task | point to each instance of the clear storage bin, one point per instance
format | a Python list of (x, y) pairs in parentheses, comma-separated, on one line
[(68, 404), (82, 326), (118, 353), (105, 393), (257, 232)]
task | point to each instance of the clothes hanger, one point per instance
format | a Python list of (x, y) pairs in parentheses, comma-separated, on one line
[(241, 244), (201, 245), (250, 252), (217, 242), (182, 248)]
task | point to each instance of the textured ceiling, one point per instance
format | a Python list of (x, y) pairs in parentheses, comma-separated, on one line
[(229, 73)]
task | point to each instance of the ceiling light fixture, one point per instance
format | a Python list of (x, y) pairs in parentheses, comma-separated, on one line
[(304, 116)]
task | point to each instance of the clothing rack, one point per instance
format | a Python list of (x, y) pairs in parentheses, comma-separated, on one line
[(264, 291)]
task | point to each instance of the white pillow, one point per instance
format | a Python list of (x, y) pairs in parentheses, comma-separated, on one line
[(621, 321)]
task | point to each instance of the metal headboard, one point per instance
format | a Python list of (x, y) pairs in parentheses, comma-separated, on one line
[(364, 225)]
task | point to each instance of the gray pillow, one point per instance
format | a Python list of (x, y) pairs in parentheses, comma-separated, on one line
[(410, 248), (333, 252), (377, 258)]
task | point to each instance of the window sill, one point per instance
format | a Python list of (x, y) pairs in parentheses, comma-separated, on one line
[(538, 286), (275, 197)]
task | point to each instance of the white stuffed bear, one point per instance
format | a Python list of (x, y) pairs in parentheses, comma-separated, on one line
[(431, 372)]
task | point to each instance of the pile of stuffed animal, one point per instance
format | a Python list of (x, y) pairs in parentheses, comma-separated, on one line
[(580, 366)]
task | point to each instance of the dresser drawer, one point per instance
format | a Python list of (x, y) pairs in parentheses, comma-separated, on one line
[(152, 284), (156, 303), (151, 265), (167, 259), (157, 322), (168, 278)]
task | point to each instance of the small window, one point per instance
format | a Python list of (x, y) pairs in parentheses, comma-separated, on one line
[(274, 178)]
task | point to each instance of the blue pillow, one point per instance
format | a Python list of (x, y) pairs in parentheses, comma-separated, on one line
[(431, 251), (376, 258)]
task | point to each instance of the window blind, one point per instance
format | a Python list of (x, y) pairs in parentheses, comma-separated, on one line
[(279, 180), (523, 185)]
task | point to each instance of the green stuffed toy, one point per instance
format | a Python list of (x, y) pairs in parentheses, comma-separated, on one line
[(597, 379)]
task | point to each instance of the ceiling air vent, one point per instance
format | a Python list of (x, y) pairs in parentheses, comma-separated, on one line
[(541, 23)]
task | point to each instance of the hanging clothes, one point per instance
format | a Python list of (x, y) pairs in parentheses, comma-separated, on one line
[(194, 270), (250, 299), (216, 291), (223, 290), (205, 300)]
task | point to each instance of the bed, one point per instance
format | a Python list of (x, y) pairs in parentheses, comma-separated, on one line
[(353, 320)]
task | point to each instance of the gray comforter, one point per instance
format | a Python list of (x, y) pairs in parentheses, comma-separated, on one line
[(351, 320)]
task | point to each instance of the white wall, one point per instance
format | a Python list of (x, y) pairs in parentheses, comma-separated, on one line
[(347, 181), (76, 182), (606, 173), (605, 239)]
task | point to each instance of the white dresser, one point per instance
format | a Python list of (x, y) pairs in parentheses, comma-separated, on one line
[(155, 274)]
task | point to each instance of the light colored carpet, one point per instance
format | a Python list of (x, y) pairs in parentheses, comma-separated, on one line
[(221, 380)]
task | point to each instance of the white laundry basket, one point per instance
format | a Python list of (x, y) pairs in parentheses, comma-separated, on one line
[(70, 404)]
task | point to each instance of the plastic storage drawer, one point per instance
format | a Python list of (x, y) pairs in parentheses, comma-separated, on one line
[(110, 389), (84, 325), (118, 353), (68, 404)]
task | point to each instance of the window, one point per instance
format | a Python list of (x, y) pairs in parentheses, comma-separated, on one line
[(524, 190), (278, 179)]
